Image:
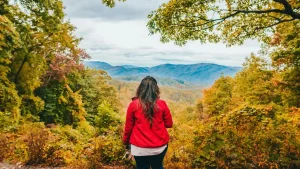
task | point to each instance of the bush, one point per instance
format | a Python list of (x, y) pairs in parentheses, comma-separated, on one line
[(105, 150), (7, 122), (65, 147), (107, 119), (61, 146), (26, 144), (180, 148), (250, 137), (4, 144), (36, 141)]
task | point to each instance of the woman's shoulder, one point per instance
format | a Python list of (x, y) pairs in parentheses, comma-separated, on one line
[(134, 100), (134, 103), (161, 101)]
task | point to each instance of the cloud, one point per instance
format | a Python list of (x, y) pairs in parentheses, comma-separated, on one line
[(119, 36), (152, 57), (129, 10)]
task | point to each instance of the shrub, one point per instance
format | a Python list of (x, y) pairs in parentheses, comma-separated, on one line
[(180, 148), (217, 99), (250, 137), (107, 119), (36, 141), (4, 144), (7, 122), (65, 147), (105, 150)]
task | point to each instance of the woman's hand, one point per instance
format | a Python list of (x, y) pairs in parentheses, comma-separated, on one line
[(127, 154)]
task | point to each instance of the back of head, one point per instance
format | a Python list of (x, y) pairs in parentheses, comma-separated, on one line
[(148, 92)]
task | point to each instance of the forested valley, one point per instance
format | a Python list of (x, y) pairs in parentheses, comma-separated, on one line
[(55, 112)]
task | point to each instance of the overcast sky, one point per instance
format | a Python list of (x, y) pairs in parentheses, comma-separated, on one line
[(119, 36)]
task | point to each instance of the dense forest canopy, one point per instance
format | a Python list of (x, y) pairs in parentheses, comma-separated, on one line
[(43, 82), (56, 112)]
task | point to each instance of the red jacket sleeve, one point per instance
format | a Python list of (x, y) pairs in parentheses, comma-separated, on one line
[(129, 124), (167, 117)]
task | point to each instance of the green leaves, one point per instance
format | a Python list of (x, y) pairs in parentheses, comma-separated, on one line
[(111, 3), (107, 120), (285, 54), (217, 99), (42, 78), (250, 124), (238, 141), (38, 47), (184, 20)]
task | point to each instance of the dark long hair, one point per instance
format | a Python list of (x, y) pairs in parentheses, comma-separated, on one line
[(148, 92)]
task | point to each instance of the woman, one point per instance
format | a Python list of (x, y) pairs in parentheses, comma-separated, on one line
[(147, 120)]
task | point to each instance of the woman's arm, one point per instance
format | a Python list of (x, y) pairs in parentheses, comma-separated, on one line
[(167, 116), (129, 123)]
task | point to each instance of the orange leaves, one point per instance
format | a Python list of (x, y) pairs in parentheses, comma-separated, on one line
[(64, 64), (258, 130), (4, 144), (276, 40), (36, 143), (295, 110), (251, 136)]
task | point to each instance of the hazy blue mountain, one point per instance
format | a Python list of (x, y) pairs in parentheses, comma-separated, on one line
[(98, 65), (202, 73), (116, 70), (134, 72), (129, 66)]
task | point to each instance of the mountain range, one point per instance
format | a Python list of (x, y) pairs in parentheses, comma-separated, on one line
[(201, 73)]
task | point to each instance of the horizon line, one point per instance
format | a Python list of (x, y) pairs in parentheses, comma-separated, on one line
[(162, 64)]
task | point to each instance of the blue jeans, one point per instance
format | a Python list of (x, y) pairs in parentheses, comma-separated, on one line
[(156, 161)]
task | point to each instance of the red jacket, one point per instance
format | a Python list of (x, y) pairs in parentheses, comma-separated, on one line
[(137, 126)]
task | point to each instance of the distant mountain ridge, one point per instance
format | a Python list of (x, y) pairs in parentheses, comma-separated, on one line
[(201, 73)]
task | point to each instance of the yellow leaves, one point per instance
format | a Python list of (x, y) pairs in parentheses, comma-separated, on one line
[(253, 137), (217, 98), (228, 3), (295, 110), (257, 124), (182, 21), (9, 38), (62, 99), (294, 3)]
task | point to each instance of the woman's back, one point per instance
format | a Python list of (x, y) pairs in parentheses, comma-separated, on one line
[(144, 134), (147, 120)]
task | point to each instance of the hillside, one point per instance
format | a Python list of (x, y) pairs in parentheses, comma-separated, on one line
[(162, 81), (174, 95), (57, 113), (201, 73)]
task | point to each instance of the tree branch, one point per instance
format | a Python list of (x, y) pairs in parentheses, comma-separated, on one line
[(220, 20), (261, 12), (274, 24), (288, 9)]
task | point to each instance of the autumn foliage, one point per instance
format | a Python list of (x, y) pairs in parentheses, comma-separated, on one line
[(259, 128), (51, 106), (56, 112)]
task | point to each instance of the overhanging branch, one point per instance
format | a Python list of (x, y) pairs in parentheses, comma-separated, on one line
[(288, 10)]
